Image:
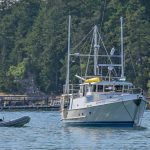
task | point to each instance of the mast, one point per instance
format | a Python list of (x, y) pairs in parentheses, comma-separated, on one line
[(122, 55), (68, 59), (95, 50)]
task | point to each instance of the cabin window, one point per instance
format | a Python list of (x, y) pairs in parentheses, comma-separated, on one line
[(94, 88), (100, 88), (108, 88), (131, 87), (125, 87), (118, 88)]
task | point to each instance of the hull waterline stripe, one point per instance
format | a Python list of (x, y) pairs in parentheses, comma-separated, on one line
[(103, 124)]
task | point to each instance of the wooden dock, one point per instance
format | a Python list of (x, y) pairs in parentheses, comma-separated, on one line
[(25, 102)]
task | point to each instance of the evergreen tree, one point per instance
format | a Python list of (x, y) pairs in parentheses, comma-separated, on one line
[(36, 32)]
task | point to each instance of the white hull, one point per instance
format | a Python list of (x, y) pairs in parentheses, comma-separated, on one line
[(119, 113)]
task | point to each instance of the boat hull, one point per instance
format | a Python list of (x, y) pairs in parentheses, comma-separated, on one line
[(116, 114)]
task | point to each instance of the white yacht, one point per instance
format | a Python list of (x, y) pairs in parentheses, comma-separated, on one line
[(105, 98)]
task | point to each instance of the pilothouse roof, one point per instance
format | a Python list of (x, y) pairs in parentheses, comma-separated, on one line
[(113, 83), (110, 83)]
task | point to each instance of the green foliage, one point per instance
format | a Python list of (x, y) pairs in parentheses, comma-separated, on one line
[(33, 38), (18, 72)]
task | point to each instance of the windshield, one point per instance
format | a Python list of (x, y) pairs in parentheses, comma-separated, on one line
[(118, 88), (108, 88)]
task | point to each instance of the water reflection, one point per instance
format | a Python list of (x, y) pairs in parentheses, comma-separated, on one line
[(103, 138)]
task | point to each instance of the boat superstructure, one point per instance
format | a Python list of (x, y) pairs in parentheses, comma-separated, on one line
[(104, 98)]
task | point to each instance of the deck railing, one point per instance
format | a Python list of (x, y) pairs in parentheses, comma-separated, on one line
[(73, 89), (134, 91)]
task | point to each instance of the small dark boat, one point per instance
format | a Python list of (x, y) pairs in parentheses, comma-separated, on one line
[(15, 123)]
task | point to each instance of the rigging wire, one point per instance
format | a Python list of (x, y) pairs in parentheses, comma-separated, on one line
[(82, 40), (100, 39), (106, 52), (83, 48), (89, 55), (83, 45)]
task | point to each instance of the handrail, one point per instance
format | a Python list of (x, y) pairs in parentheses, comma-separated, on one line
[(73, 88), (133, 91)]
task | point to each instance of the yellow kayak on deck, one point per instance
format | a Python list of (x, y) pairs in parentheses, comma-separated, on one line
[(96, 79)]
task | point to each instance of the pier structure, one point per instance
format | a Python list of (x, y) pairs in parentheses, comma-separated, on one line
[(25, 102)]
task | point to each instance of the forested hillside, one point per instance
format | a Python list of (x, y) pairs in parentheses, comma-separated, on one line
[(33, 39)]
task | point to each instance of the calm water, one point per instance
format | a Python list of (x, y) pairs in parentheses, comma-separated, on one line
[(45, 132)]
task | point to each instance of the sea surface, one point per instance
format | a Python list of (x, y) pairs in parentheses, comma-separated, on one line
[(46, 132)]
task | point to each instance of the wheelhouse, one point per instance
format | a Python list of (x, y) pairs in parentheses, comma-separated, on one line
[(105, 86)]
